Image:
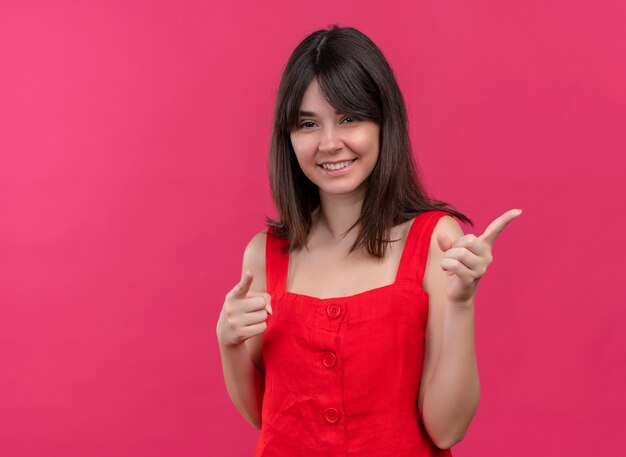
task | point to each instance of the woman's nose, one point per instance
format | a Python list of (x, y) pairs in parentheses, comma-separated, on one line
[(330, 141)]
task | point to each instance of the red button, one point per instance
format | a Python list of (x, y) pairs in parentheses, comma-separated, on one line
[(331, 415), (333, 310), (329, 360)]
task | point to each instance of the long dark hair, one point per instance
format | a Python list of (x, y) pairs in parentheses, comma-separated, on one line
[(356, 79)]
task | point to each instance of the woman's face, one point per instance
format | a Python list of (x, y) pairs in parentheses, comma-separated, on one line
[(335, 151)]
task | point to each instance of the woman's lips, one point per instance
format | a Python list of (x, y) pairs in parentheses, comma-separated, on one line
[(339, 172)]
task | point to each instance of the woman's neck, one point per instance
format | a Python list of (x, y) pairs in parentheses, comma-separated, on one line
[(336, 214)]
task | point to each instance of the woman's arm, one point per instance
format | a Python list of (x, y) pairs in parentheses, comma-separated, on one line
[(245, 383), (450, 388)]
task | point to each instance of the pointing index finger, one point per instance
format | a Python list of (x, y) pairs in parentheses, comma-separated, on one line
[(496, 227)]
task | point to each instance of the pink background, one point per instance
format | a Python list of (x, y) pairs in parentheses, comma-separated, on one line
[(133, 148)]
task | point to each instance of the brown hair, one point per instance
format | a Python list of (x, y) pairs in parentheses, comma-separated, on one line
[(356, 79)]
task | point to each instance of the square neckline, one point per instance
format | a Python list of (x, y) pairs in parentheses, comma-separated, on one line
[(395, 282)]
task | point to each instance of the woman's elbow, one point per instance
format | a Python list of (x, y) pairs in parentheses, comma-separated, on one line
[(453, 434), (253, 420), (255, 423), (448, 442)]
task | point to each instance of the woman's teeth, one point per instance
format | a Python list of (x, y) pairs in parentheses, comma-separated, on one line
[(337, 166)]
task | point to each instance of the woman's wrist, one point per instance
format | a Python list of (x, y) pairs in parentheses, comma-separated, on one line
[(464, 305)]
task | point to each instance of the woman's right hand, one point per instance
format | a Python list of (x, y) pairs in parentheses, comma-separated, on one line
[(244, 313)]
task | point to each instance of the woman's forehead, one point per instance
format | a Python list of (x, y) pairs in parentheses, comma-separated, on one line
[(314, 102)]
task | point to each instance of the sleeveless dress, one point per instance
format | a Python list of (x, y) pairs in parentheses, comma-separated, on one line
[(342, 374)]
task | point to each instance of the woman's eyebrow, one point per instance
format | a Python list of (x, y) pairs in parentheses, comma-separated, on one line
[(311, 113)]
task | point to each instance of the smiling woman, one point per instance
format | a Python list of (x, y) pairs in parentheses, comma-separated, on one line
[(351, 331), (338, 81), (330, 145)]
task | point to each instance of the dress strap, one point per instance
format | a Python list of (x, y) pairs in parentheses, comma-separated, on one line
[(276, 262), (415, 253)]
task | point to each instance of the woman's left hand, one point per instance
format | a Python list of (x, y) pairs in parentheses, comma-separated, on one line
[(466, 259)]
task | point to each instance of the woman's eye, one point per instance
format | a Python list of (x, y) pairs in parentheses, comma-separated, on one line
[(307, 124), (351, 118)]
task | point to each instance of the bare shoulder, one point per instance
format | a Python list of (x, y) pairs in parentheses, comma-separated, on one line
[(448, 225)]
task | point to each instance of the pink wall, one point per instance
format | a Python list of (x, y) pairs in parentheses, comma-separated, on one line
[(133, 147)]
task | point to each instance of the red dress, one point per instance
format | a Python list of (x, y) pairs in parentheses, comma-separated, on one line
[(342, 374)]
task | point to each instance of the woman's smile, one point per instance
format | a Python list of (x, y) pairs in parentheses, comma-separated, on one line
[(337, 168)]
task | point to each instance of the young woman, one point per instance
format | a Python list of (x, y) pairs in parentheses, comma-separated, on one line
[(351, 331)]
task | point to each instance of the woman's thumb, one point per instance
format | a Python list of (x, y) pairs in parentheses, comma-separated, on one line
[(444, 242)]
